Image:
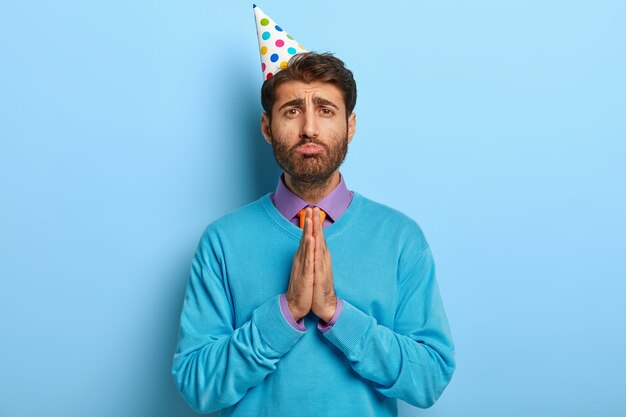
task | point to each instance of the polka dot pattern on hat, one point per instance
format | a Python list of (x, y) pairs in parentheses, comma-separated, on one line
[(276, 46)]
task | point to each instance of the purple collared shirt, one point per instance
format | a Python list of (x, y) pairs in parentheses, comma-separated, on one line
[(289, 204)]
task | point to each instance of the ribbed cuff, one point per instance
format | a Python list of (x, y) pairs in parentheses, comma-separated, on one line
[(326, 327), (274, 328), (349, 329)]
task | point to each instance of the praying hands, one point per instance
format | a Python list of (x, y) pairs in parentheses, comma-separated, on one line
[(311, 284)]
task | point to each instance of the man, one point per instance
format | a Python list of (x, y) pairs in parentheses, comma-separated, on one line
[(313, 300)]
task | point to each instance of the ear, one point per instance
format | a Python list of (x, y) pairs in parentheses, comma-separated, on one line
[(265, 128), (351, 126)]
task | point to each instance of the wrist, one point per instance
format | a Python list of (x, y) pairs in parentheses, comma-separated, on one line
[(328, 315), (294, 313)]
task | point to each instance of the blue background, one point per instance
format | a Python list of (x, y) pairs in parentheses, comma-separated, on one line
[(127, 127)]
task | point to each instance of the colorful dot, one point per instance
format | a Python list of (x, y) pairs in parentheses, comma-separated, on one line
[(274, 57), (291, 50), (263, 50), (284, 64), (263, 66), (265, 35), (269, 75), (289, 37), (278, 28), (265, 22), (280, 43)]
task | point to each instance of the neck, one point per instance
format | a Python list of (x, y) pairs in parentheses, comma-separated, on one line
[(312, 192)]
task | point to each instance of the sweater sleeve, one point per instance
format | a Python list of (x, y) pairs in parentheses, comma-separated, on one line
[(414, 361), (215, 364)]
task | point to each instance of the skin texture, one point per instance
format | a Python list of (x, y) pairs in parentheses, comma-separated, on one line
[(310, 113)]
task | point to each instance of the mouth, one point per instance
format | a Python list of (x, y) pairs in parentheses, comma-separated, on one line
[(309, 149)]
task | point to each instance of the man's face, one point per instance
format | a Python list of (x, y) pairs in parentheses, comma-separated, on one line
[(309, 132)]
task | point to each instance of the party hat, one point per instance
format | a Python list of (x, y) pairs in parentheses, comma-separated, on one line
[(276, 46)]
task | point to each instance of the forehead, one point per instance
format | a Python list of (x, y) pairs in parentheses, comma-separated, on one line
[(290, 90)]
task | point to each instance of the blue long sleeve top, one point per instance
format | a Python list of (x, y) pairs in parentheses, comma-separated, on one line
[(237, 353)]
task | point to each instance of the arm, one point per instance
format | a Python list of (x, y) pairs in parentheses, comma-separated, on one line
[(216, 364), (414, 361)]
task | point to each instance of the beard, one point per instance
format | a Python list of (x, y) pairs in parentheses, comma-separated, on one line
[(311, 169)]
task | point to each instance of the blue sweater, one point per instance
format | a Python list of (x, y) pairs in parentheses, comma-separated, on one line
[(237, 353)]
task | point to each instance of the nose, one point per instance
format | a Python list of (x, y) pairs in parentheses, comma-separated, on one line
[(309, 126)]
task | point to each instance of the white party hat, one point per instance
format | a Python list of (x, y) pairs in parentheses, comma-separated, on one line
[(276, 46)]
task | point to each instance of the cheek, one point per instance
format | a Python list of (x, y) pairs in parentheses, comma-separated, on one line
[(335, 128), (284, 129)]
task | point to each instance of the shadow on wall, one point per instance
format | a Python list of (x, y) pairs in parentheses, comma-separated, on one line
[(261, 167), (252, 173), (253, 163)]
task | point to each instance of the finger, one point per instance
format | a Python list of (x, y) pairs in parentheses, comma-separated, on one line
[(306, 230), (302, 238), (309, 216), (319, 231), (319, 258), (315, 217), (301, 244), (309, 264), (305, 241), (306, 226)]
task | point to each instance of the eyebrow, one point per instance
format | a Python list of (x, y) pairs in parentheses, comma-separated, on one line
[(317, 100)]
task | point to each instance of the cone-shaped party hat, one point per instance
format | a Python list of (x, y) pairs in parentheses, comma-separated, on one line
[(276, 46)]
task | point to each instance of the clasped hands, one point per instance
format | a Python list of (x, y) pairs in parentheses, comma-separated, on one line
[(311, 285)]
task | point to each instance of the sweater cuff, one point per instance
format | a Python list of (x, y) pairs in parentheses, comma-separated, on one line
[(349, 329), (274, 328), (326, 327), (284, 308)]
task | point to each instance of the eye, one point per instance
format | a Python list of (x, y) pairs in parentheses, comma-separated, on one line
[(292, 112), (326, 111)]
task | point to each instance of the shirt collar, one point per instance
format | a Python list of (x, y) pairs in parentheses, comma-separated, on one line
[(334, 204)]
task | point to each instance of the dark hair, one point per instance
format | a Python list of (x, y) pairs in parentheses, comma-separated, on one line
[(308, 67)]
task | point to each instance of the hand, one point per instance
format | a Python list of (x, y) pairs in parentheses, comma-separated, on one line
[(300, 290), (324, 299)]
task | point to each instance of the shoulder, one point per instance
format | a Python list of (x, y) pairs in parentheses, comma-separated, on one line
[(401, 232), (390, 218)]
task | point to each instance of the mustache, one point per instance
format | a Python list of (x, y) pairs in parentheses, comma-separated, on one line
[(308, 142)]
